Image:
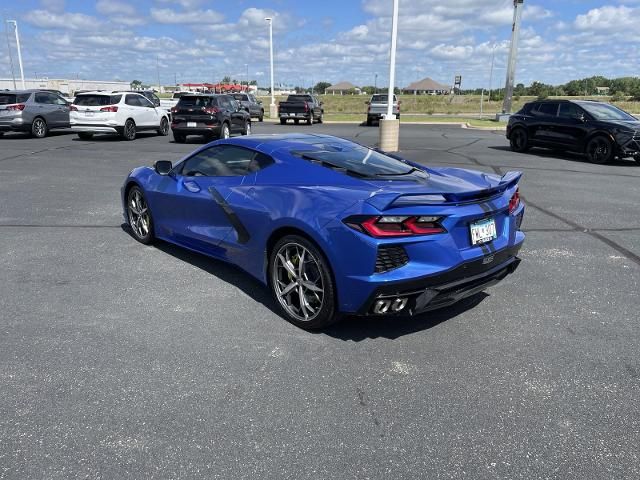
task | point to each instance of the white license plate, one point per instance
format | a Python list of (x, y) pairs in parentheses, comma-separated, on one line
[(483, 231), (89, 114), (192, 124)]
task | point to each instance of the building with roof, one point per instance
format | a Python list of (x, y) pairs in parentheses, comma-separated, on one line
[(427, 86), (66, 86), (341, 88)]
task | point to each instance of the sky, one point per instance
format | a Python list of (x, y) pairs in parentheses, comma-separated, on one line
[(328, 40)]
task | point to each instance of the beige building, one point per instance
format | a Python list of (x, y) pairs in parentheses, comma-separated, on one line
[(66, 86)]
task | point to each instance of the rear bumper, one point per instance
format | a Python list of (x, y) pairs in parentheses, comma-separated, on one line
[(199, 130), (294, 115), (14, 125), (443, 289), (95, 128)]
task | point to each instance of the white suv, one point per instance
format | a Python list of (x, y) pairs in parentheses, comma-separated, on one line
[(124, 113)]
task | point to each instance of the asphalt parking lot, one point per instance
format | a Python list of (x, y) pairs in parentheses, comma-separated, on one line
[(125, 361)]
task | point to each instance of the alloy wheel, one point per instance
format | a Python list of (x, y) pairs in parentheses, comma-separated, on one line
[(39, 128), (129, 130), (297, 281), (247, 130), (164, 127), (139, 218), (225, 131), (599, 150)]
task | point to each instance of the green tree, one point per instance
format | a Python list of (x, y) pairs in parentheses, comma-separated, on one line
[(135, 84), (226, 79), (320, 87)]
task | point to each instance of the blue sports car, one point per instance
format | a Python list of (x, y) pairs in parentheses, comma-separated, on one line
[(333, 227)]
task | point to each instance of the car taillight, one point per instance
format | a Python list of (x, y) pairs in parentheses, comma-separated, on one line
[(211, 110), (514, 203), (174, 110), (73, 108), (306, 107), (110, 108), (396, 225), (16, 107), (369, 109)]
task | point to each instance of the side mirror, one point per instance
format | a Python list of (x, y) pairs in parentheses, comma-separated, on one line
[(163, 167), (367, 103)]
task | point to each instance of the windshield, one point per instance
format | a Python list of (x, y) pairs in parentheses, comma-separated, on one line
[(96, 100), (604, 111), (382, 99), (240, 97), (361, 160)]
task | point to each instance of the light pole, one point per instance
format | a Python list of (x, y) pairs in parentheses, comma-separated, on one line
[(13, 74), (493, 57), (272, 106), (375, 84), (390, 125), (246, 66), (15, 25), (511, 68)]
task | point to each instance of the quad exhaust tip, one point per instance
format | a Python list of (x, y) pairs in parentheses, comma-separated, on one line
[(385, 306)]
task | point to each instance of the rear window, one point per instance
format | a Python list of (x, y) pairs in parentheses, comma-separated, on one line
[(299, 98), (361, 161), (382, 98), (240, 97), (197, 101), (10, 98), (97, 100)]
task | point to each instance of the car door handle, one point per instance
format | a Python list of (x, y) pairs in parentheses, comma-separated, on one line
[(192, 186)]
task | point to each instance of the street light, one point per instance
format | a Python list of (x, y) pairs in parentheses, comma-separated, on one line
[(375, 84), (272, 106), (15, 25), (513, 53), (390, 125)]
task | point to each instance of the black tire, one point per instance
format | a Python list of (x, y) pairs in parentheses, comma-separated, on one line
[(310, 119), (139, 216), (296, 121), (369, 122), (599, 150), (225, 131), (39, 128), (283, 121), (519, 140), (321, 119), (247, 128), (164, 127), (261, 117), (85, 135), (129, 130), (319, 312), (1, 134), (179, 137)]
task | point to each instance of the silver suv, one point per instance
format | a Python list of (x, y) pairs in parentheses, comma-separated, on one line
[(34, 111)]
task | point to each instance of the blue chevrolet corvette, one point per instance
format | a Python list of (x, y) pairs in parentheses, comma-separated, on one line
[(333, 227)]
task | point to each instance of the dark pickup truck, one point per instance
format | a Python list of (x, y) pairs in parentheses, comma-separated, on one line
[(301, 107)]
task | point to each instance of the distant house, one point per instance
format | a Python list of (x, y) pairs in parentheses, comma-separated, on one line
[(427, 86), (602, 90), (341, 88)]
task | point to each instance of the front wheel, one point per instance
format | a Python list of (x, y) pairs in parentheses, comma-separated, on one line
[(310, 119), (129, 130), (139, 216), (599, 150), (164, 127), (301, 283), (283, 121), (261, 117), (39, 128), (321, 118), (519, 140)]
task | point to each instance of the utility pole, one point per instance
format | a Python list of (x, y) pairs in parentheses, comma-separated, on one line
[(15, 25), (375, 84), (158, 71), (493, 58), (511, 68), (389, 125), (13, 75)]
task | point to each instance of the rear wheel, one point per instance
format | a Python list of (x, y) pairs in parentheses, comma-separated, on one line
[(139, 216), (369, 121), (283, 121), (85, 135), (179, 138), (261, 117), (519, 140), (39, 128), (247, 128), (321, 119), (301, 282), (129, 130), (310, 119), (599, 150), (164, 127)]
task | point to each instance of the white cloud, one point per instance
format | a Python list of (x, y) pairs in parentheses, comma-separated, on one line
[(169, 16), (71, 21), (112, 7)]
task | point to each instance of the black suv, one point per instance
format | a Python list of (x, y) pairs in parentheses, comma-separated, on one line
[(213, 116), (599, 130)]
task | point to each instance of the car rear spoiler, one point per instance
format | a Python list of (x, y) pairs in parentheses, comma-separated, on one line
[(384, 201)]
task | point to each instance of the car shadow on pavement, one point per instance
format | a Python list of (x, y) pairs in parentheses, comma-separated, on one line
[(350, 328), (570, 156), (113, 137), (27, 135), (356, 329)]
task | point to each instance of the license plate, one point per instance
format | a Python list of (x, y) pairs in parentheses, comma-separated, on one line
[(483, 231), (192, 124), (88, 113)]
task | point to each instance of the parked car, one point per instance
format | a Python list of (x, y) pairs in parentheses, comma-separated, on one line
[(67, 97), (378, 106), (169, 103), (34, 111), (251, 105), (210, 115), (301, 107), (599, 130), (333, 227), (122, 113)]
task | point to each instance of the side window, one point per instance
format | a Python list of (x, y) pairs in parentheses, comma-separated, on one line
[(42, 97), (548, 109), (59, 100), (144, 102), (219, 161), (225, 103), (259, 162), (132, 100), (569, 110)]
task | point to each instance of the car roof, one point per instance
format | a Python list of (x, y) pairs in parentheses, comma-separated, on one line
[(270, 143)]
